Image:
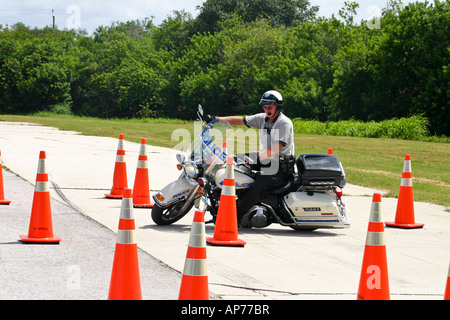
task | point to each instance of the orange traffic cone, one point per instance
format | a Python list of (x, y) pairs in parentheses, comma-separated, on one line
[(2, 194), (374, 282), (404, 217), (226, 231), (125, 277), (330, 151), (194, 282), (120, 181), (141, 190), (41, 227), (447, 287)]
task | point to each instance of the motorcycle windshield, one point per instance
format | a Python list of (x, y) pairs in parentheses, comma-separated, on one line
[(209, 146)]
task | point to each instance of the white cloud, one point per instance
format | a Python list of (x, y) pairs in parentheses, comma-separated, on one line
[(93, 13), (367, 8)]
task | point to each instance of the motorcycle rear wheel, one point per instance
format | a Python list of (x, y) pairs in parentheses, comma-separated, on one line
[(167, 215)]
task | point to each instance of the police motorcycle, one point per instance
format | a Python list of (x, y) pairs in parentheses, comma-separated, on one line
[(311, 199)]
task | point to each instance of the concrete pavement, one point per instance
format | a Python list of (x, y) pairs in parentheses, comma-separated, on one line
[(276, 263)]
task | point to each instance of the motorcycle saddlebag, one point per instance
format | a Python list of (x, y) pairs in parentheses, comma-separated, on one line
[(319, 170)]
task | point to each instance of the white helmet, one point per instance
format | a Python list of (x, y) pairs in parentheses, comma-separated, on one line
[(272, 97)]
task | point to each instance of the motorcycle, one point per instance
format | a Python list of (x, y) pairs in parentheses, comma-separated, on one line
[(311, 199)]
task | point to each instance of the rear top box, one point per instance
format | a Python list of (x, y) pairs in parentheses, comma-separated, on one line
[(320, 170)]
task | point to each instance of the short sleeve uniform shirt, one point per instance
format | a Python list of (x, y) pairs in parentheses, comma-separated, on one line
[(279, 131)]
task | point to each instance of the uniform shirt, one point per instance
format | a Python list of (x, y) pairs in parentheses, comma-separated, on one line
[(279, 131)]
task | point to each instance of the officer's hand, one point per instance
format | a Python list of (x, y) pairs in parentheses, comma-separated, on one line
[(209, 118)]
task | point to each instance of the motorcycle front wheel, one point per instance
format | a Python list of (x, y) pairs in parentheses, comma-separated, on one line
[(167, 215)]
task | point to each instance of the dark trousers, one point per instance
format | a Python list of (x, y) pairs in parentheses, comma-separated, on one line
[(258, 189)]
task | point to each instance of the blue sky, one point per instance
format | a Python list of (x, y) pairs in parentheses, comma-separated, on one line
[(89, 14)]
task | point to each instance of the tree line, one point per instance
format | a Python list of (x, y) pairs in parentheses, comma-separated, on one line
[(328, 69)]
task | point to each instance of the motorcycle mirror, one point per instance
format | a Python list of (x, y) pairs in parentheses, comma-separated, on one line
[(200, 110)]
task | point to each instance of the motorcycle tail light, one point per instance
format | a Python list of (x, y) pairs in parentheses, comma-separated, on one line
[(338, 192), (201, 182)]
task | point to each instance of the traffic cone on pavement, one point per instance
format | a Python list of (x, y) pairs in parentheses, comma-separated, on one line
[(41, 226), (330, 151), (125, 277), (141, 190), (120, 180), (226, 230), (447, 287), (194, 282), (404, 216), (374, 282), (2, 194)]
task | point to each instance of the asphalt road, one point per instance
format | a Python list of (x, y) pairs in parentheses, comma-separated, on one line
[(276, 263), (77, 268)]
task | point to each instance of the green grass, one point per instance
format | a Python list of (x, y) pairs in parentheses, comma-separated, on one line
[(378, 163), (370, 162), (157, 131), (412, 128)]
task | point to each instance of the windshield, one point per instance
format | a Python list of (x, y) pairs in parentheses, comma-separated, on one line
[(209, 146)]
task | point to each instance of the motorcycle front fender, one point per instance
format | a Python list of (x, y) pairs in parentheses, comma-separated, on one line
[(174, 192)]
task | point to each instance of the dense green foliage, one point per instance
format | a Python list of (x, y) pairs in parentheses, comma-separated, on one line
[(226, 57), (412, 128)]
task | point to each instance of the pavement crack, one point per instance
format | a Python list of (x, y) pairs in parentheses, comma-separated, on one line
[(318, 293), (65, 199)]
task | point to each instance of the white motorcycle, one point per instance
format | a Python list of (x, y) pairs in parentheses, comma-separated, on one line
[(311, 199)]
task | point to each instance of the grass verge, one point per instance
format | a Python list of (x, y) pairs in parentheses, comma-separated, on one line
[(369, 162)]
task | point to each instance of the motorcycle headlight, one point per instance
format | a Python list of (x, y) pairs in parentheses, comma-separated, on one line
[(180, 158), (191, 170)]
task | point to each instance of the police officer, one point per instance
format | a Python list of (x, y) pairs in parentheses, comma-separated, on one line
[(276, 136)]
